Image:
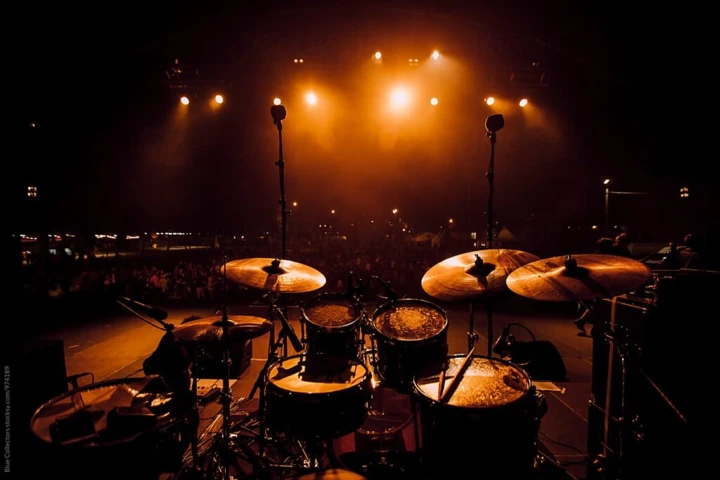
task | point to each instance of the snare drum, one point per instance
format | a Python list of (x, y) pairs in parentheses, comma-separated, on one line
[(488, 424), (411, 336), (317, 396), (332, 324), (138, 420)]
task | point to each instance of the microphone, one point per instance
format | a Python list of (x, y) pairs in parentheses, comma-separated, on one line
[(494, 123), (278, 113), (392, 295), (502, 343), (148, 310), (290, 332)]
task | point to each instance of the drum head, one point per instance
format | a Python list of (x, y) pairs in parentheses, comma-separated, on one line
[(331, 311), (409, 320), (317, 374), (486, 383)]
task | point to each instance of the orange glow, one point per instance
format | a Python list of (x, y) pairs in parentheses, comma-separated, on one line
[(184, 100), (378, 55), (490, 100), (435, 55), (277, 101), (311, 98), (523, 102), (219, 99), (434, 101)]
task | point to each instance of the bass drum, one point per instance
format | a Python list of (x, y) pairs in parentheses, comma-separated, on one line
[(486, 427), (317, 396), (411, 336), (332, 325), (140, 421)]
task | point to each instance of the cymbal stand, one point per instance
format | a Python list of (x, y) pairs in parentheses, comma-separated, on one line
[(273, 346), (625, 354)]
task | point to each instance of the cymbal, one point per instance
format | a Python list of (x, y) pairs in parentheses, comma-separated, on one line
[(472, 274), (578, 277), (210, 329), (274, 275)]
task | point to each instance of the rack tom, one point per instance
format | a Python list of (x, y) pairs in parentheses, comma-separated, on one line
[(332, 325), (411, 337)]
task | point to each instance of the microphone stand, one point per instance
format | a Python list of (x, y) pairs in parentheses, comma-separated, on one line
[(226, 395), (491, 192), (283, 201)]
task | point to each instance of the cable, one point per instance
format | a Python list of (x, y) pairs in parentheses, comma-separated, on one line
[(555, 442), (525, 327)]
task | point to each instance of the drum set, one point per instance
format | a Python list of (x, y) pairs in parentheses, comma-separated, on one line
[(471, 415)]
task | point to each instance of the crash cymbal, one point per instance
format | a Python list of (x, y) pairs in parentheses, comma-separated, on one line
[(210, 329), (578, 277), (274, 275), (473, 274)]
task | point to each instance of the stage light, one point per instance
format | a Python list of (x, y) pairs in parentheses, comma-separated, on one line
[(184, 100), (490, 100), (434, 101), (311, 98), (378, 55), (219, 99), (277, 101), (523, 102), (399, 98), (435, 55)]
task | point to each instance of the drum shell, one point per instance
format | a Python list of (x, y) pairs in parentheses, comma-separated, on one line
[(318, 415), (339, 341), (488, 442), (399, 361)]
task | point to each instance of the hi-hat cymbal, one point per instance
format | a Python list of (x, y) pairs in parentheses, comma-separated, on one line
[(473, 274), (210, 329), (274, 275), (578, 277)]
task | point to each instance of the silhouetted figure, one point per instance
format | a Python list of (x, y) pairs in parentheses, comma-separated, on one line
[(673, 260), (621, 246)]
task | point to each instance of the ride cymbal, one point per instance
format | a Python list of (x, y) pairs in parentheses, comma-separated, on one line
[(578, 277), (473, 274), (210, 329), (274, 275)]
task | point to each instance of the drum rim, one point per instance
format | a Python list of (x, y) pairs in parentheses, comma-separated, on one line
[(382, 308), (337, 295), (363, 379), (418, 392)]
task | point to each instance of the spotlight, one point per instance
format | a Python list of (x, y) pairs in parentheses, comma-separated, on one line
[(435, 55), (490, 100), (523, 102), (378, 55), (277, 101), (219, 99), (399, 98), (311, 98), (184, 100), (434, 101)]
